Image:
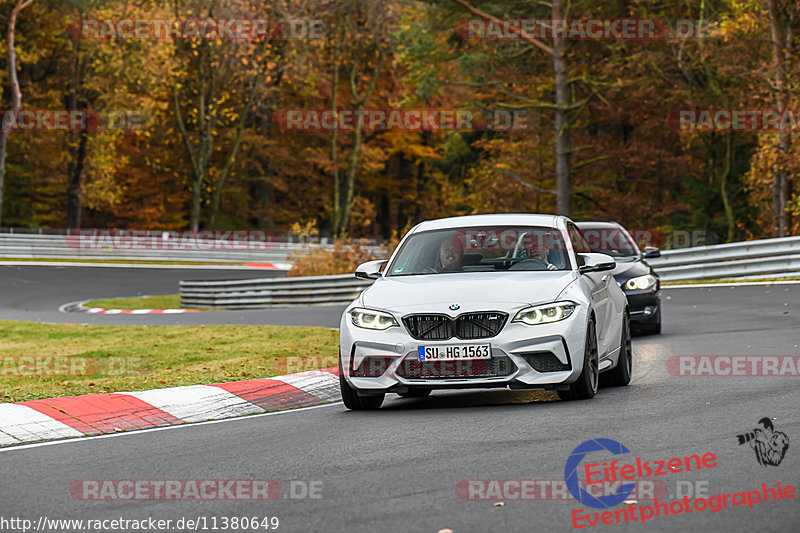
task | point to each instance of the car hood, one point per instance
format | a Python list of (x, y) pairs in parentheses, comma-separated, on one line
[(625, 271), (472, 291)]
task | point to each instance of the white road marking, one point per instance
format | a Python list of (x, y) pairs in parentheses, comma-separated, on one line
[(26, 424), (196, 403), (6, 439), (163, 428), (731, 284), (323, 385)]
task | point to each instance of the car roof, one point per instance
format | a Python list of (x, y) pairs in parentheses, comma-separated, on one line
[(597, 224), (506, 219)]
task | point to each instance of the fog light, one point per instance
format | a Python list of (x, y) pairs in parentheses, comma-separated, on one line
[(648, 310)]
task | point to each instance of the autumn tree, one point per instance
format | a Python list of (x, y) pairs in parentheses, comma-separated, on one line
[(16, 93)]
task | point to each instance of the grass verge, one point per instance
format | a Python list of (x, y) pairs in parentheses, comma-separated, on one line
[(51, 360), (169, 301)]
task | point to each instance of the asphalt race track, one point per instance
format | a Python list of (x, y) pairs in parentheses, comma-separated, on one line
[(397, 469), (35, 293)]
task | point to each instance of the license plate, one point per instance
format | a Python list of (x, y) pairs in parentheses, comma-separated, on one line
[(454, 352)]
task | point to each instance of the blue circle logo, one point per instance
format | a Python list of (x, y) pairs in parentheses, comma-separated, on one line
[(455, 307), (571, 474)]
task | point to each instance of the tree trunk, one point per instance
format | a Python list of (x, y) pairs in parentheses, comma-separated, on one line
[(198, 169), (337, 209), (16, 93), (779, 178), (232, 155), (421, 179), (563, 203), (75, 171), (201, 156), (355, 155), (723, 187), (77, 141), (264, 200), (352, 167)]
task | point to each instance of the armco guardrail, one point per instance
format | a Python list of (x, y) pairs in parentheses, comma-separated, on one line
[(35, 246), (271, 292), (737, 259), (770, 256)]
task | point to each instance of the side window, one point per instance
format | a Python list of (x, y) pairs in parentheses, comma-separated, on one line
[(577, 241)]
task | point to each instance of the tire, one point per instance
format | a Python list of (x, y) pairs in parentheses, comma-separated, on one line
[(415, 393), (352, 400), (585, 387), (621, 375)]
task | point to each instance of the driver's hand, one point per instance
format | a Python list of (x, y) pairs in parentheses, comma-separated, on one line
[(551, 266)]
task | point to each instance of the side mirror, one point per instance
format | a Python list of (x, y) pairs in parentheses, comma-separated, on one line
[(370, 269), (651, 252), (596, 263)]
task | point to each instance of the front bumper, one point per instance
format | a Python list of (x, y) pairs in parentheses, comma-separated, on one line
[(390, 360), (644, 306)]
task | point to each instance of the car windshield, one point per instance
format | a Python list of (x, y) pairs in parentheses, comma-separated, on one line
[(612, 241), (483, 249)]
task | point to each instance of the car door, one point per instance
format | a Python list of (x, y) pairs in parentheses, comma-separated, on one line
[(601, 298)]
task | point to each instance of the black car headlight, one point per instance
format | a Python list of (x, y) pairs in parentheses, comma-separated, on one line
[(641, 283), (545, 314), (369, 319)]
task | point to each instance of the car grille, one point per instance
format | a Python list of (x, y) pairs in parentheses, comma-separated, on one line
[(411, 368), (479, 325), (545, 362), (429, 327), (466, 326)]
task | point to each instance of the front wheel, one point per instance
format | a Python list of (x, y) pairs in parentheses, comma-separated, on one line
[(352, 400), (585, 386)]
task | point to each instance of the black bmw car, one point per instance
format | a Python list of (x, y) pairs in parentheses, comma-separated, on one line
[(636, 277)]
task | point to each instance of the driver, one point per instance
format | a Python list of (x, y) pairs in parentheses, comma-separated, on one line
[(540, 249), (450, 255)]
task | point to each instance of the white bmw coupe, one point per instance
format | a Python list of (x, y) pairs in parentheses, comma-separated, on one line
[(483, 301)]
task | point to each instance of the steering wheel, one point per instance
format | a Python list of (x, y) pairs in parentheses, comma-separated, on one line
[(529, 261)]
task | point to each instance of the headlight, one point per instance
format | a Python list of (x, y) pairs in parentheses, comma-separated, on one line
[(640, 283), (544, 314), (366, 318)]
